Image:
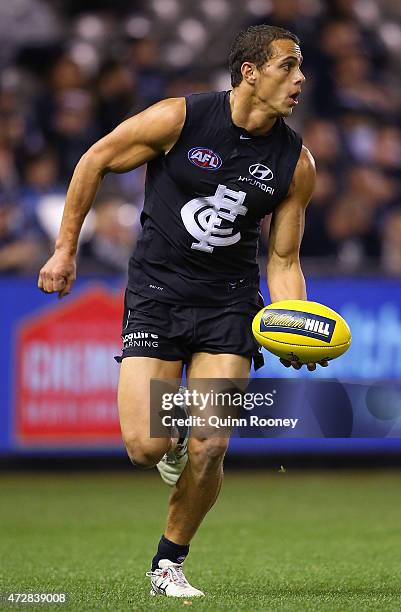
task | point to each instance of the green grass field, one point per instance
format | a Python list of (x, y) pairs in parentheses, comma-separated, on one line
[(274, 541)]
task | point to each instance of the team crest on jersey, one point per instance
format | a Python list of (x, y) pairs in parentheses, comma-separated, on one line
[(204, 158), (204, 217)]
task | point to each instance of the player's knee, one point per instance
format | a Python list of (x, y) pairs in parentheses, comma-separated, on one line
[(206, 455), (143, 454)]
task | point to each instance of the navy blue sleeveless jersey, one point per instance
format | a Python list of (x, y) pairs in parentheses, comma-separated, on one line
[(204, 202)]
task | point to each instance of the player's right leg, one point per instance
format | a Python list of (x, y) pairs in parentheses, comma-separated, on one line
[(134, 407)]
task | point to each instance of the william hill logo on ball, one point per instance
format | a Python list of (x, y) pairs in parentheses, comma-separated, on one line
[(296, 322)]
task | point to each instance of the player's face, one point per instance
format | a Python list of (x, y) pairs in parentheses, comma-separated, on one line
[(279, 80)]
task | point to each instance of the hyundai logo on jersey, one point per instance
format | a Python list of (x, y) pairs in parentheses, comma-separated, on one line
[(204, 158), (261, 172)]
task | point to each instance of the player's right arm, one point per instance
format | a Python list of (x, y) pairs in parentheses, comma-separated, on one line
[(133, 143)]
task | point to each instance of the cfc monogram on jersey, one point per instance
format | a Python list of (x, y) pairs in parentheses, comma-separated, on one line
[(203, 217), (204, 202)]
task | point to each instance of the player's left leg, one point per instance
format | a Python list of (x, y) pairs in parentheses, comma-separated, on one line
[(198, 486), (200, 483), (222, 345)]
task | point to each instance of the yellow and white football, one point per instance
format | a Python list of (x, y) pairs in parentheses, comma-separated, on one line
[(301, 329)]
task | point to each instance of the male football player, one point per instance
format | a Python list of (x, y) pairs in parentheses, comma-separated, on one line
[(217, 163)]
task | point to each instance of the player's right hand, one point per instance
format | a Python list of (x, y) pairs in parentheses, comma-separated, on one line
[(58, 274), (297, 365)]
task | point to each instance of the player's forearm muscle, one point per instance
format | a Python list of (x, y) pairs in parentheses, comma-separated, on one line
[(284, 275), (81, 193), (133, 143), (286, 282)]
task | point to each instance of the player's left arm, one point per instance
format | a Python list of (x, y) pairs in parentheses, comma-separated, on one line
[(284, 274)]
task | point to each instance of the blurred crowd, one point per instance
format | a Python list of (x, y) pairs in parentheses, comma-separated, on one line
[(71, 71)]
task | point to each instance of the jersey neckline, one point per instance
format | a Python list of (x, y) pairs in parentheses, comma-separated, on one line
[(242, 133)]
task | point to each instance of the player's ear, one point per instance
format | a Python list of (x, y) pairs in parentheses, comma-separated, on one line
[(248, 71)]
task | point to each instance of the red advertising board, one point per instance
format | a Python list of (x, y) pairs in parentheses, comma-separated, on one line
[(66, 377)]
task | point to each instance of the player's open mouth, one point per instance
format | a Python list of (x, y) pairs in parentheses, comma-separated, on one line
[(294, 97)]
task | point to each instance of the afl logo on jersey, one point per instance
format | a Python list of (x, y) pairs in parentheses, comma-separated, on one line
[(204, 158), (261, 172)]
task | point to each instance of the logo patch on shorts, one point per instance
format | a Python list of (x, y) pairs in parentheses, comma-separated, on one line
[(296, 322), (140, 339), (204, 158)]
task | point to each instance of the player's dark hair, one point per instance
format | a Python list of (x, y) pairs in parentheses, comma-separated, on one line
[(254, 45)]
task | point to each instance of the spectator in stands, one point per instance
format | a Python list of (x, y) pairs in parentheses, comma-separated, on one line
[(20, 249), (9, 179), (387, 150), (116, 90), (391, 243), (40, 178), (64, 87), (352, 220), (323, 137), (73, 129), (317, 240), (112, 242), (151, 78)]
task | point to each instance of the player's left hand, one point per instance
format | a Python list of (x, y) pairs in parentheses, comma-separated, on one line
[(295, 363)]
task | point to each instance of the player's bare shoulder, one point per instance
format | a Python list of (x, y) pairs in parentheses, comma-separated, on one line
[(140, 138), (164, 122), (304, 178)]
